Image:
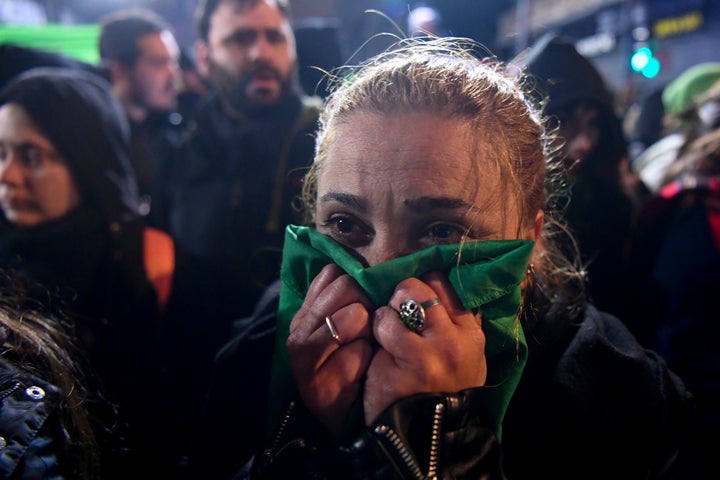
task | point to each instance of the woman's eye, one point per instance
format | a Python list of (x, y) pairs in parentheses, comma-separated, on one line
[(445, 233), (346, 230), (342, 225), (441, 231)]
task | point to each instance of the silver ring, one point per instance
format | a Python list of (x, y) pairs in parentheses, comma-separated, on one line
[(412, 313), (333, 330), (430, 303)]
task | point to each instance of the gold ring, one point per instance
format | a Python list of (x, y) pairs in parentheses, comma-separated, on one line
[(333, 330)]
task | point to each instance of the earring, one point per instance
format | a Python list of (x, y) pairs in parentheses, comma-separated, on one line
[(530, 270)]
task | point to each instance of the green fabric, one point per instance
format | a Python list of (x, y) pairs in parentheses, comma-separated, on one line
[(488, 276)]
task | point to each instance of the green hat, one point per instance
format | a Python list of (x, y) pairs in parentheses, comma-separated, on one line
[(678, 94)]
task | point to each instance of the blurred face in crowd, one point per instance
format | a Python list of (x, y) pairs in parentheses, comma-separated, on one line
[(151, 83), (155, 76), (580, 131), (36, 185), (398, 183), (249, 54)]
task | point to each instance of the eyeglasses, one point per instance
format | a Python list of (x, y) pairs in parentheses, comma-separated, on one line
[(29, 155)]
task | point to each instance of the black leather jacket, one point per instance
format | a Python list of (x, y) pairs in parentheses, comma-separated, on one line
[(30, 438), (230, 189), (425, 436), (592, 404)]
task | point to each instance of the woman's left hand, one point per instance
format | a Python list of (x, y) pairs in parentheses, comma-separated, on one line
[(447, 355)]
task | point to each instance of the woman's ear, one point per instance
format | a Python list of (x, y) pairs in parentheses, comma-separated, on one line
[(539, 222)]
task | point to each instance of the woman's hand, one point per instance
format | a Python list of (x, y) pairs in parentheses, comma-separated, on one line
[(447, 355), (329, 372)]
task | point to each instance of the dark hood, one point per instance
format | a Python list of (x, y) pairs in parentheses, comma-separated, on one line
[(78, 113), (563, 74), (16, 59)]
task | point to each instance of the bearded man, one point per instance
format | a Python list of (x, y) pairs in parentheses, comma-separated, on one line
[(232, 183)]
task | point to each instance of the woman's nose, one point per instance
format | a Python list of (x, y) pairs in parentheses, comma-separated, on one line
[(11, 172), (385, 249)]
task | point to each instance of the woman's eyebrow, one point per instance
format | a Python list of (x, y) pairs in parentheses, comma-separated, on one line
[(347, 199), (421, 204)]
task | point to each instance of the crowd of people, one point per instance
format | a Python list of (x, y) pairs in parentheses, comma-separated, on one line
[(444, 266)]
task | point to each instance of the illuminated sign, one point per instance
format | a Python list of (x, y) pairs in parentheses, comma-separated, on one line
[(77, 41), (669, 26)]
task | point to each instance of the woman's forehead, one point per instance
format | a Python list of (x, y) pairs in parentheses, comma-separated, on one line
[(17, 125), (410, 151), (404, 141)]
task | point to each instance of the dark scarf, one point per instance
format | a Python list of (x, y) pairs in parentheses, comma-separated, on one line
[(70, 263)]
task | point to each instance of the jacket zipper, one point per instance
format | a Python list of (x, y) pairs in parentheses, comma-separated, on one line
[(8, 391), (270, 452), (435, 440), (406, 456)]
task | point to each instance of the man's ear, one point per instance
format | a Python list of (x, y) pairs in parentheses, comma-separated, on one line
[(120, 78), (118, 71), (202, 58)]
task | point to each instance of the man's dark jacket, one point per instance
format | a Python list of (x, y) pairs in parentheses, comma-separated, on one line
[(232, 187)]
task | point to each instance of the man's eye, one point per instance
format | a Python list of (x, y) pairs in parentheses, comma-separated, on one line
[(159, 63), (274, 36), (243, 38)]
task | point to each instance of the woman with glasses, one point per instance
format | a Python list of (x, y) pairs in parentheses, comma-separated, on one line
[(71, 237)]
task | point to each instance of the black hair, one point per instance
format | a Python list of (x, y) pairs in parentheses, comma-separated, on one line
[(206, 8), (120, 31)]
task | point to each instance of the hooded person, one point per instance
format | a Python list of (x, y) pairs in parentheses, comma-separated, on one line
[(600, 209), (93, 252), (70, 229), (16, 58)]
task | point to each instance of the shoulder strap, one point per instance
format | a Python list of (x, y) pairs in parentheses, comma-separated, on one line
[(309, 114), (159, 258)]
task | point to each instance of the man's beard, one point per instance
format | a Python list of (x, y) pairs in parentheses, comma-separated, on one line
[(232, 88)]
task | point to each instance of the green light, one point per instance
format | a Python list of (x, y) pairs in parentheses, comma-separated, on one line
[(644, 62), (641, 58), (652, 68)]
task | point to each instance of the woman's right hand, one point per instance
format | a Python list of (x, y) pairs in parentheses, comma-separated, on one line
[(447, 356), (329, 373)]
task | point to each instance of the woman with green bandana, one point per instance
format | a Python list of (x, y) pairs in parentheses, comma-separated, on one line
[(425, 324)]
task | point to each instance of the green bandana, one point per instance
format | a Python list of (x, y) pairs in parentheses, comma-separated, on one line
[(488, 276)]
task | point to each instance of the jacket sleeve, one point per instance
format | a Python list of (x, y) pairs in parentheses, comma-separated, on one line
[(424, 436), (29, 443)]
